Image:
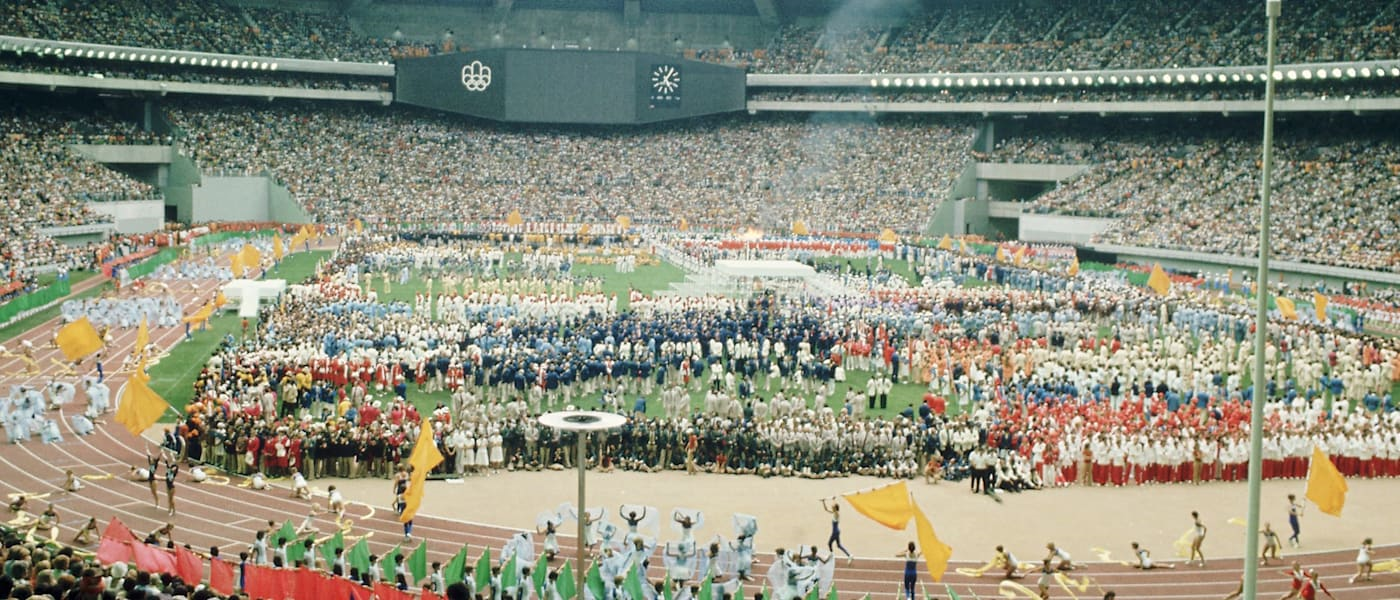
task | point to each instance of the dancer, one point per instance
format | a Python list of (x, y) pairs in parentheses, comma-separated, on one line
[(1298, 576), (1312, 586), (1271, 545), (1047, 576), (88, 533), (1145, 559), (171, 470), (911, 569), (1007, 562), (1061, 557), (153, 463), (1295, 512), (1363, 562), (835, 538), (1198, 535)]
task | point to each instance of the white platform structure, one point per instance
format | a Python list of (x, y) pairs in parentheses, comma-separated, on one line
[(247, 294), (737, 278)]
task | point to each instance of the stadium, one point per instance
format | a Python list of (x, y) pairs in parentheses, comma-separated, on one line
[(986, 266)]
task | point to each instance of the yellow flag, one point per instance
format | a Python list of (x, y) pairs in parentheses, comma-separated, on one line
[(1320, 306), (425, 456), (1286, 308), (140, 406), (252, 259), (946, 243), (624, 221), (200, 316), (78, 339), (936, 553), (888, 236), (514, 219), (236, 265), (962, 245), (1020, 256), (277, 246), (888, 506), (220, 300), (1158, 281), (359, 226), (1074, 267), (143, 337), (685, 225), (1326, 486), (799, 228), (1001, 254)]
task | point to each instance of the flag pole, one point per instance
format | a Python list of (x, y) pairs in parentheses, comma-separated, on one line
[(1272, 9)]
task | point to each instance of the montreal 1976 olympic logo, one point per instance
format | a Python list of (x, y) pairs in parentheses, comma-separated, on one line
[(476, 76)]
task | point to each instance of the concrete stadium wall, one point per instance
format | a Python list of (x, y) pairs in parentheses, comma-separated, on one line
[(230, 199), (135, 216), (1060, 229), (282, 206)]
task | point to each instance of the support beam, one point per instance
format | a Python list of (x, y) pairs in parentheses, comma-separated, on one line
[(768, 13)]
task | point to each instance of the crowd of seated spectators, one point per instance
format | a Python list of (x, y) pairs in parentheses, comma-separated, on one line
[(1050, 36), (1082, 35), (833, 173), (1196, 188), (198, 26), (44, 183)]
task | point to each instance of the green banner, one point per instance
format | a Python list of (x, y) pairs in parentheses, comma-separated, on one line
[(33, 299)]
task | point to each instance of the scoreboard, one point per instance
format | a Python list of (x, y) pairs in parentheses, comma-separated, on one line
[(569, 86)]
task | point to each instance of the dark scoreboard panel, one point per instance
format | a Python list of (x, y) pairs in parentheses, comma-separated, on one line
[(569, 86)]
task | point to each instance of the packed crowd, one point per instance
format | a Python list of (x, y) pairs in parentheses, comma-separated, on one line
[(769, 386), (834, 173), (1074, 35), (47, 184), (204, 27), (1059, 36), (1185, 190)]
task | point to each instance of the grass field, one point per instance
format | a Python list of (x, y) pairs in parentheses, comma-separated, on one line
[(39, 318), (898, 267), (173, 376)]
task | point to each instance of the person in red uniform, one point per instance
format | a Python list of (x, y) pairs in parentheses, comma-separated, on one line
[(1312, 586), (1298, 576)]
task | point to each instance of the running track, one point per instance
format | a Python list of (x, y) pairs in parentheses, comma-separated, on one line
[(227, 515)]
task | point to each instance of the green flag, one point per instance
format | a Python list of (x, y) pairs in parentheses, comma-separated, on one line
[(510, 574), (706, 590), (952, 595), (763, 590), (538, 576), (594, 581), (328, 549), (483, 571), (813, 594), (455, 567), (565, 583), (418, 561), (296, 551), (359, 557), (831, 595), (386, 564), (287, 532), (633, 584), (666, 589)]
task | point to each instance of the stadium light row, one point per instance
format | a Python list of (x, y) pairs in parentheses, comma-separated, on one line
[(89, 51), (153, 57), (1048, 80)]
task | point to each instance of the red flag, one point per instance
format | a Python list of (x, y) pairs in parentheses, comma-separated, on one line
[(221, 577), (188, 566), (429, 595), (111, 551), (116, 530), (256, 582), (344, 588), (309, 584), (389, 592), (152, 559)]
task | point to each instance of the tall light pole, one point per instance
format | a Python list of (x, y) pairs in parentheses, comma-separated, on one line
[(1272, 8), (581, 423)]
